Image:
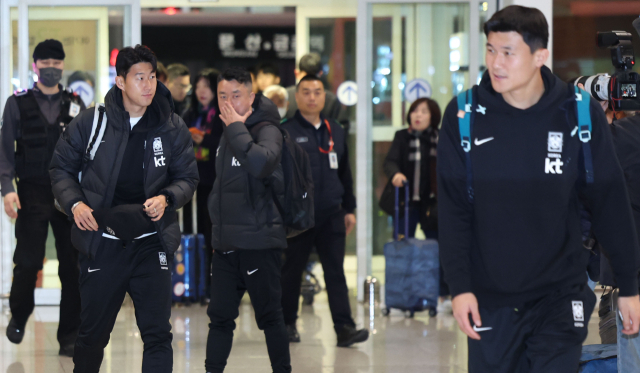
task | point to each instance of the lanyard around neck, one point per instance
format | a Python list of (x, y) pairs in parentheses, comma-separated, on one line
[(330, 140)]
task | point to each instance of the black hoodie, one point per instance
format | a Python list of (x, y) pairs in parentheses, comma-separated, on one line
[(169, 165), (241, 206), (521, 237)]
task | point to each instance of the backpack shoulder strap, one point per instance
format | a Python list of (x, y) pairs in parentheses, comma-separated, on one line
[(466, 106), (584, 129), (256, 128), (465, 101), (97, 131)]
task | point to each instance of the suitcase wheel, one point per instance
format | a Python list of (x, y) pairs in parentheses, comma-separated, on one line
[(409, 314), (385, 311), (433, 312)]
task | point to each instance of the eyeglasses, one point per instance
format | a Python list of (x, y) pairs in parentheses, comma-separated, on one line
[(185, 87)]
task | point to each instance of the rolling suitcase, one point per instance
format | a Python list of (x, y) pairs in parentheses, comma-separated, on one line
[(188, 276), (412, 269)]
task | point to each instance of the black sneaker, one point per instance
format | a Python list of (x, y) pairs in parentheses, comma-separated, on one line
[(15, 332), (349, 335), (67, 350), (292, 332)]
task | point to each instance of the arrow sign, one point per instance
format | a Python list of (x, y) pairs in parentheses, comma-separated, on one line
[(348, 93), (81, 91), (417, 88), (84, 90)]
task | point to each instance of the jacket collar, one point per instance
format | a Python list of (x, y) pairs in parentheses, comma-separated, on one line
[(38, 93), (162, 105), (306, 123)]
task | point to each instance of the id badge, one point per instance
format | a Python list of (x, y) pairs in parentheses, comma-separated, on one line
[(333, 160), (74, 110)]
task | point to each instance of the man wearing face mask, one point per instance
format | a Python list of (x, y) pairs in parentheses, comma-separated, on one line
[(34, 120), (279, 96)]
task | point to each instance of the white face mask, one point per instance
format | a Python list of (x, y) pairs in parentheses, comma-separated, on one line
[(282, 111)]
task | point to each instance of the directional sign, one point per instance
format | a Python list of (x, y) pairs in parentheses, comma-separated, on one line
[(417, 88), (348, 93), (84, 90)]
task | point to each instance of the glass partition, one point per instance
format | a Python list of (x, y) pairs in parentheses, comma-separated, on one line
[(412, 41), (88, 35)]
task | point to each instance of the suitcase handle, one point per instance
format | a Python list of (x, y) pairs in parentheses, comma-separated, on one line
[(194, 215), (406, 212)]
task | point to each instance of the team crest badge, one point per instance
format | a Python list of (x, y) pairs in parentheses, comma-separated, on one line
[(578, 313), (163, 259), (157, 144)]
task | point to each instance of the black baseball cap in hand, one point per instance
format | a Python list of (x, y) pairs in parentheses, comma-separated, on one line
[(125, 222)]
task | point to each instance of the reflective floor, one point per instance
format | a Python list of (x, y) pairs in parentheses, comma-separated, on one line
[(398, 344)]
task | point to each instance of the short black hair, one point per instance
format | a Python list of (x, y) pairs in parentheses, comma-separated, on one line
[(528, 22), (238, 74), (269, 68), (176, 70), (310, 63), (309, 78), (129, 56)]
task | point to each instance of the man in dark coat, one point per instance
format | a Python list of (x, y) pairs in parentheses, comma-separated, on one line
[(248, 231), (133, 178), (325, 141), (25, 154)]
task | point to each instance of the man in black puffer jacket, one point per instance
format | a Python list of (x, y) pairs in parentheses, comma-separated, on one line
[(144, 158), (248, 231)]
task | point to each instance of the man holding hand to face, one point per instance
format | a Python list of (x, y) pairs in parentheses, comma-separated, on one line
[(248, 231)]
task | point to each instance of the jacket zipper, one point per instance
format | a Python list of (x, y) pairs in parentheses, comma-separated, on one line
[(224, 157)]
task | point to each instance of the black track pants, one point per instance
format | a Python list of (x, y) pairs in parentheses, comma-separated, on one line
[(233, 273), (142, 269), (32, 227), (544, 336)]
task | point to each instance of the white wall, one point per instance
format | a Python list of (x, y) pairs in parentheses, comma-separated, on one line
[(546, 6)]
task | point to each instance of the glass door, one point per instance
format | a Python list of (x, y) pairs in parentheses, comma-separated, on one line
[(405, 50), (91, 35)]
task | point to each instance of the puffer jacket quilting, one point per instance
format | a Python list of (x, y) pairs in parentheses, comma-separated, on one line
[(241, 205), (170, 166)]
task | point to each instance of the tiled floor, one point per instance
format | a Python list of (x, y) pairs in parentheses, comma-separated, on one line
[(398, 345)]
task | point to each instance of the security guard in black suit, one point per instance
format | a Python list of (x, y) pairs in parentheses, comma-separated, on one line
[(34, 119), (325, 142)]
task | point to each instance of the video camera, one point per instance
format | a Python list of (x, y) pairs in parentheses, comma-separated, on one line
[(621, 89)]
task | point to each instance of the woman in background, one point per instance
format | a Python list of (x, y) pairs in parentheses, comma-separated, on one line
[(203, 120), (412, 160)]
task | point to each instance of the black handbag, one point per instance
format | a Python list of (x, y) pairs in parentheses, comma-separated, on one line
[(388, 199)]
